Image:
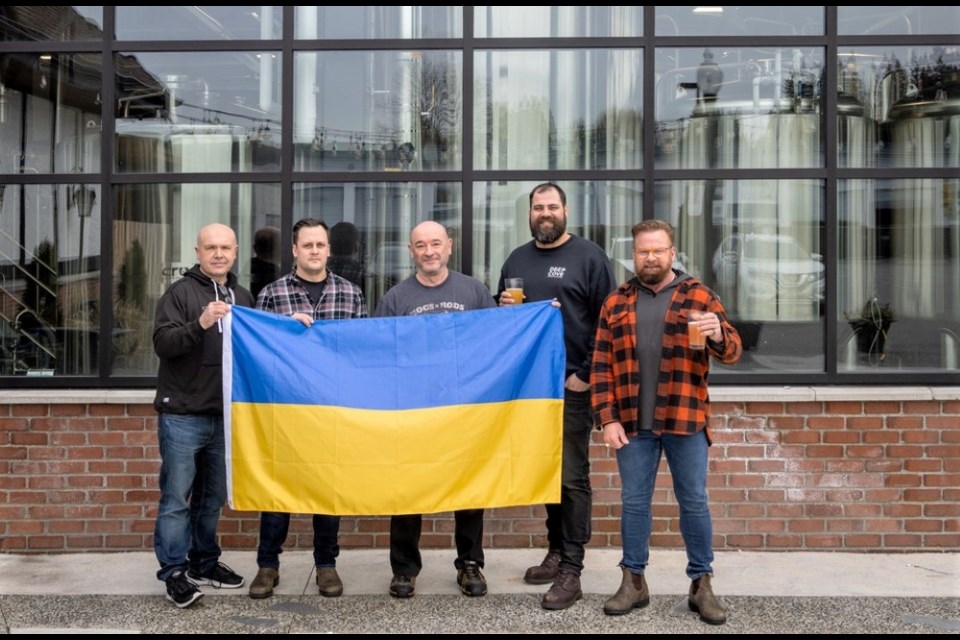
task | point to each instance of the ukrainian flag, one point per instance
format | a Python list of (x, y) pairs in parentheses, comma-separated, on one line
[(384, 416)]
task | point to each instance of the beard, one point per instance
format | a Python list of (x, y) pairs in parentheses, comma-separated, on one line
[(652, 275), (548, 233)]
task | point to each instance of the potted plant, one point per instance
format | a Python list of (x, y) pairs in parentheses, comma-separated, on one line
[(871, 327)]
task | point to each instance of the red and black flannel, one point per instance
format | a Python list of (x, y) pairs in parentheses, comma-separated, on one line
[(683, 405)]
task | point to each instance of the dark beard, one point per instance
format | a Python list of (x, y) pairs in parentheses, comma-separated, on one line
[(653, 278), (548, 236)]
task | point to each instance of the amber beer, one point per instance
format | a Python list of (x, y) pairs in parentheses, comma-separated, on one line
[(697, 340), (514, 288)]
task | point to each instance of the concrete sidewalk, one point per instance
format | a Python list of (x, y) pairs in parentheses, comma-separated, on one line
[(765, 592)]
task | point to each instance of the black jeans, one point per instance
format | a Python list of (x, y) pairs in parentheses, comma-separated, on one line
[(273, 533), (569, 523), (405, 557)]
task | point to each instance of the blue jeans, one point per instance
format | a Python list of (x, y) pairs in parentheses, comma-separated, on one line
[(687, 459), (273, 533), (569, 525), (193, 488)]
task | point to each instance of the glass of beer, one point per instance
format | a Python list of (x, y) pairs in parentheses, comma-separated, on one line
[(698, 341), (514, 288)]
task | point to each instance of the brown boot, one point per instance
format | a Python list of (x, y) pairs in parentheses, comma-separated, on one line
[(262, 586), (632, 594), (564, 592), (546, 571), (329, 582), (702, 601)]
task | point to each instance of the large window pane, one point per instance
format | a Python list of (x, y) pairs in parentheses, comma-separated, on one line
[(50, 264), (601, 211), (378, 111), (50, 113), (191, 112), (558, 109), (203, 22), (899, 106), (378, 21), (901, 20), (779, 20), (756, 243), (557, 21), (898, 267), (736, 108), (63, 23), (154, 237), (370, 226)]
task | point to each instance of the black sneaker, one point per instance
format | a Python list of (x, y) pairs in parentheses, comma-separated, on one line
[(181, 591), (219, 577), (471, 581), (402, 586)]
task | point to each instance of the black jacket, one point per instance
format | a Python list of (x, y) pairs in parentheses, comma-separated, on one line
[(190, 379)]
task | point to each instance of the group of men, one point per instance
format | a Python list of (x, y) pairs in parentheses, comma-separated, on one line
[(630, 373)]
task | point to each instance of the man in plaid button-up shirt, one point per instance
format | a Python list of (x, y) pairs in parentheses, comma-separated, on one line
[(650, 397), (310, 292)]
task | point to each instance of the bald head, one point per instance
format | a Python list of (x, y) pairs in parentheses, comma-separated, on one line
[(216, 250), (430, 248)]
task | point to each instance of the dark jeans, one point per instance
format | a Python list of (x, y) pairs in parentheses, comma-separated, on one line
[(193, 487), (273, 533), (405, 557), (569, 523)]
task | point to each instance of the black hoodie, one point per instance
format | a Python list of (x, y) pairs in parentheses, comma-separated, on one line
[(190, 379)]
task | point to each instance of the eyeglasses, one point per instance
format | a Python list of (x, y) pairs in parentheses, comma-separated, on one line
[(656, 253)]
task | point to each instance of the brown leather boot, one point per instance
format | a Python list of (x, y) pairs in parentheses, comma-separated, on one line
[(329, 582), (564, 592), (546, 571), (702, 601), (262, 586), (632, 594)]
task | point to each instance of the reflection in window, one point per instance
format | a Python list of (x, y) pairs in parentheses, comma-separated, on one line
[(370, 226), (63, 23), (899, 106), (50, 262), (204, 22), (779, 20), (558, 109), (50, 113), (756, 243), (898, 268), (738, 108), (558, 21), (900, 19), (184, 112), (378, 111), (603, 212), (380, 21), (154, 237)]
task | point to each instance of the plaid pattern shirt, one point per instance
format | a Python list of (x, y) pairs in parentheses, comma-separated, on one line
[(341, 299), (683, 406)]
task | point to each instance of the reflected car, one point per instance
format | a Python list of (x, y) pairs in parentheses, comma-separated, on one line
[(763, 269), (392, 262)]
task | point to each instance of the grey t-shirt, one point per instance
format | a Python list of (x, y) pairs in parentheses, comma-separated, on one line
[(651, 319), (457, 293)]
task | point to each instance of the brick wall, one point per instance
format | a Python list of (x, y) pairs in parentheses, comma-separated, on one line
[(853, 469)]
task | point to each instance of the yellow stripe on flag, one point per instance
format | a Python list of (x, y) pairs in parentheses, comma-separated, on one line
[(344, 461)]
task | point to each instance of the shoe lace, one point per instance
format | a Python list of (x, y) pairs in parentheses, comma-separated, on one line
[(471, 571), (401, 580)]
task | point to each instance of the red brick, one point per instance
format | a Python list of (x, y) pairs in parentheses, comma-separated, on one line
[(902, 510), (825, 451), (30, 410), (904, 422), (941, 480), (126, 424), (886, 408), (13, 424), (902, 540), (784, 511), (843, 407), (765, 466), (842, 437), (862, 510), (45, 542), (881, 437), (87, 424), (29, 438), (844, 525), (46, 482), (85, 543), (923, 495), (13, 453), (883, 525), (72, 410), (779, 541), (142, 410), (108, 466), (66, 467), (925, 407), (902, 480), (803, 465), (803, 408), (865, 451), (801, 437), (926, 436), (863, 541), (106, 410), (825, 422), (65, 526), (872, 422), (787, 423), (106, 438), (923, 465), (67, 439), (929, 526), (941, 510), (890, 465), (823, 510), (845, 466), (950, 541), (808, 525)]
